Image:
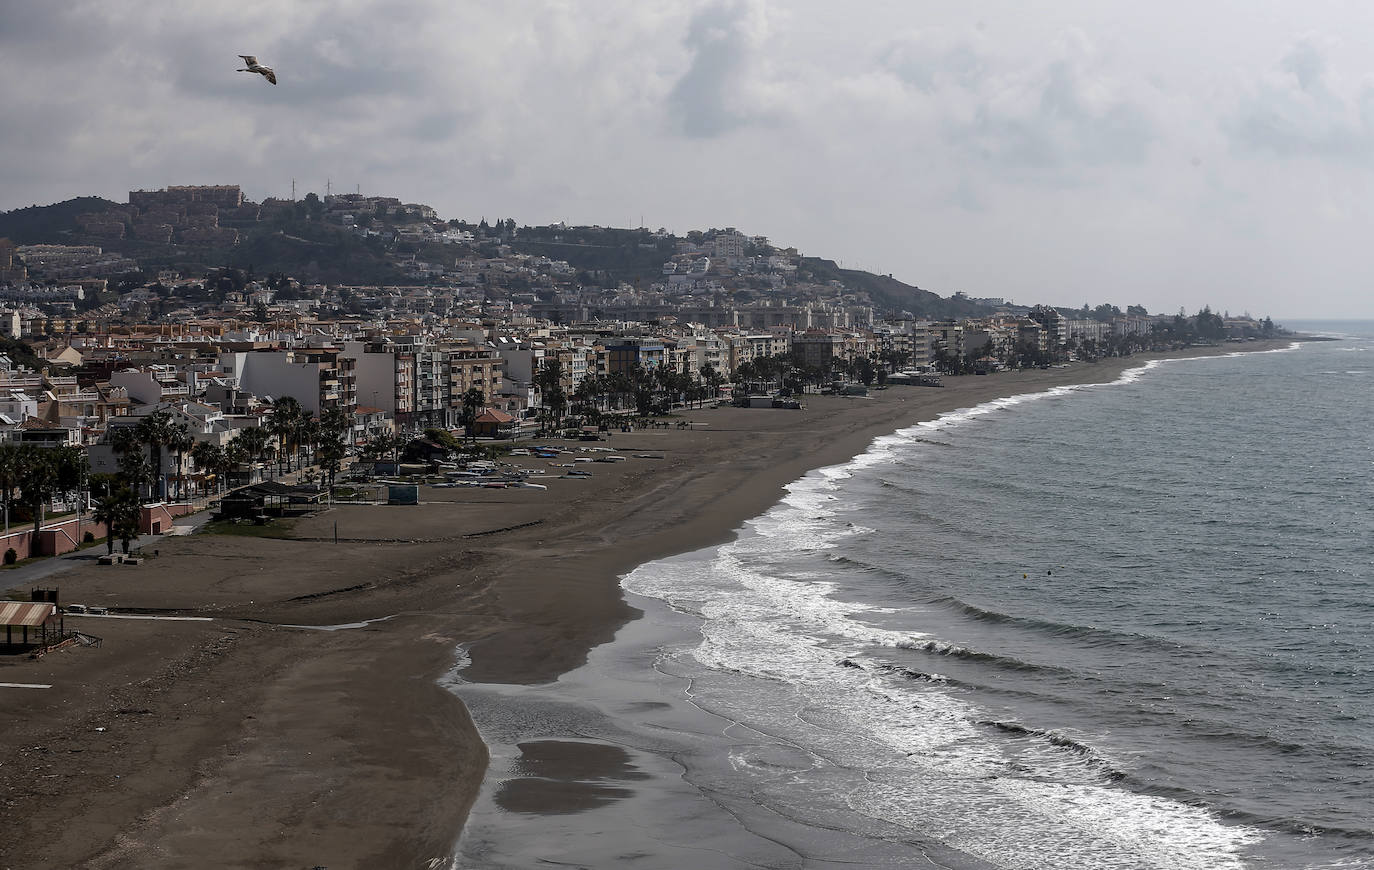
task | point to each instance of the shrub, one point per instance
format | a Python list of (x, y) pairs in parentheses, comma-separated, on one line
[(88, 538), (11, 557)]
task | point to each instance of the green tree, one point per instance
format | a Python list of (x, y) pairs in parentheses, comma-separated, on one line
[(209, 458), (117, 510), (865, 370), (382, 445), (337, 424), (285, 422), (181, 443), (444, 439), (587, 395), (156, 430), (549, 381), (310, 436), (711, 377), (474, 400), (44, 472), (9, 475), (250, 445)]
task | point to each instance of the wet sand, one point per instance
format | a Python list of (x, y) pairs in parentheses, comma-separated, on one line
[(264, 745)]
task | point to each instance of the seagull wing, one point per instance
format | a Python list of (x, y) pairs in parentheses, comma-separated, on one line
[(271, 76), (249, 59)]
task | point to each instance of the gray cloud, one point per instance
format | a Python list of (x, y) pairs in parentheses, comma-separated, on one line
[(708, 100), (1303, 110), (929, 60), (1059, 112), (1002, 157)]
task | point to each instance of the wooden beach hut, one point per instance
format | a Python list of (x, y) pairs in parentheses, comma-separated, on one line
[(29, 623), (269, 498), (492, 423)]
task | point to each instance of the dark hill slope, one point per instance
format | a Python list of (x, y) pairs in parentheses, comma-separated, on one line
[(48, 224), (890, 294)]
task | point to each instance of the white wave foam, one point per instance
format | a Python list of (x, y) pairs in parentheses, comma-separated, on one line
[(772, 639)]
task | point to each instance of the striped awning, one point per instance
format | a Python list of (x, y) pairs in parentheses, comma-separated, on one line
[(26, 612)]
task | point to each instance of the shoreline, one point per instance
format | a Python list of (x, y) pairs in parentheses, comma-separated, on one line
[(327, 754), (592, 704)]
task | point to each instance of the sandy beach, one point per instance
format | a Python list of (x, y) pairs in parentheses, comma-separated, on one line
[(260, 735)]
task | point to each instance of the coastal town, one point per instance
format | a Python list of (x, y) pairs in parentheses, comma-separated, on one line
[(723, 435), (251, 511), (188, 380)]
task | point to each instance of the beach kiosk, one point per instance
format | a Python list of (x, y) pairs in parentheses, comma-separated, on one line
[(26, 624), (493, 423)]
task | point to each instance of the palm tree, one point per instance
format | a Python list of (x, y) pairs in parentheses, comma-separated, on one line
[(619, 385), (549, 381), (285, 422), (207, 457), (220, 461), (251, 443), (380, 445), (337, 424), (235, 454), (311, 436), (9, 475), (334, 434), (156, 430), (116, 510), (331, 456), (126, 524), (181, 442), (44, 472), (474, 400), (128, 449), (712, 379)]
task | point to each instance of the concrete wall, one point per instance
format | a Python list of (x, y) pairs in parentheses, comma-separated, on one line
[(61, 537), (54, 540)]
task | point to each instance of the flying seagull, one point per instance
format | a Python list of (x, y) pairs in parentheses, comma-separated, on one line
[(255, 67)]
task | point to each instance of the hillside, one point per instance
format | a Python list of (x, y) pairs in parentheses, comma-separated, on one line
[(49, 224), (889, 293), (302, 245), (633, 256)]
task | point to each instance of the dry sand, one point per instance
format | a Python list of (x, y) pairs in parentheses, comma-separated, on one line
[(244, 742)]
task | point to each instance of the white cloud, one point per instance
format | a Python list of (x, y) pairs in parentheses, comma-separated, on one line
[(1303, 108)]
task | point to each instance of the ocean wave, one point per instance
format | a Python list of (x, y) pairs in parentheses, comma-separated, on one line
[(1059, 741), (1226, 733), (955, 651), (1096, 637), (918, 676), (878, 570), (1051, 627)]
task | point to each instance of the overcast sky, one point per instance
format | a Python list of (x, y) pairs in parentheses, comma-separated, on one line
[(1167, 154)]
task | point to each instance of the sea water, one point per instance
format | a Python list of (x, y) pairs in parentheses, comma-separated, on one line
[(1118, 626), (1125, 625)]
